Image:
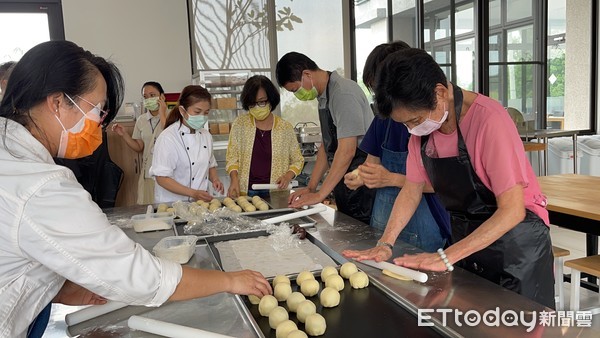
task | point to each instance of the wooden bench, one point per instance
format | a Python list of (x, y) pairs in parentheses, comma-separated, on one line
[(559, 256), (589, 265)]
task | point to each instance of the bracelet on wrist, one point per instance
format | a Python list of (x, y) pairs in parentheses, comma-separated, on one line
[(386, 244), (444, 258)]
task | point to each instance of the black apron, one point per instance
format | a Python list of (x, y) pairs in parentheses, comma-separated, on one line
[(521, 260), (354, 203)]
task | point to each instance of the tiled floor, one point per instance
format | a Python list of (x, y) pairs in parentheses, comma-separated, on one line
[(575, 243)]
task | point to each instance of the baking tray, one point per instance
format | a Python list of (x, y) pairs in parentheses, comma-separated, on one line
[(367, 312)]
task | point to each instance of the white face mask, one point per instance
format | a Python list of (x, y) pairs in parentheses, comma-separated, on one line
[(428, 126)]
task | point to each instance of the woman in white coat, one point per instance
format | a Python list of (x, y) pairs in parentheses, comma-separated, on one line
[(57, 245), (183, 162)]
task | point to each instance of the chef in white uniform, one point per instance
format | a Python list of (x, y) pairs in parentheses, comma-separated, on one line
[(56, 244), (183, 163)]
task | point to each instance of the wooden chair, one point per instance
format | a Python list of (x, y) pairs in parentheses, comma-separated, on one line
[(559, 256), (589, 265)]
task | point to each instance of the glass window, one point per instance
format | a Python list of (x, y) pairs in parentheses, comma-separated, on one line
[(404, 22), (465, 21), (518, 9), (319, 37), (30, 28), (495, 13), (465, 63), (520, 44)]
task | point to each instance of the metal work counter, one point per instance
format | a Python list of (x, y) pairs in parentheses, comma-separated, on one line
[(226, 314)]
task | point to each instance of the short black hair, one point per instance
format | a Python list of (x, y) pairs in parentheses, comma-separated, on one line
[(58, 67), (155, 85), (251, 88), (407, 78), (290, 67), (376, 57)]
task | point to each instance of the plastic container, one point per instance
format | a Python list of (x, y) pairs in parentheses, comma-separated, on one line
[(560, 156), (178, 249), (153, 221), (590, 161)]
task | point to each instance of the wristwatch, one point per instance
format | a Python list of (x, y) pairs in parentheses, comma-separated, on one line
[(386, 244)]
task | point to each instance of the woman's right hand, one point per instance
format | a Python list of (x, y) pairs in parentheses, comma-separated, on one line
[(353, 181), (234, 189), (248, 282), (378, 254), (117, 128), (201, 195)]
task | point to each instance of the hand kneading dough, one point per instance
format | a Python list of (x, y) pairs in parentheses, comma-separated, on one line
[(315, 325), (359, 280), (304, 275), (281, 279), (310, 287), (253, 299), (277, 316), (284, 328), (335, 282), (293, 300), (348, 269), (330, 297), (305, 309), (282, 291), (267, 303), (297, 334), (328, 271)]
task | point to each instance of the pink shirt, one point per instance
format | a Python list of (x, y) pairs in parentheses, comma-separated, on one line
[(495, 149)]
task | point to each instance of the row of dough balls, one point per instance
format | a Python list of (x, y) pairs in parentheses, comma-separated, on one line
[(306, 309), (162, 207)]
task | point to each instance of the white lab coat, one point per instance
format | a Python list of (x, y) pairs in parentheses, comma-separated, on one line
[(51, 230), (184, 157)]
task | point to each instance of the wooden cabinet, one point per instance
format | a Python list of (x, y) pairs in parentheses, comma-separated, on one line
[(129, 161)]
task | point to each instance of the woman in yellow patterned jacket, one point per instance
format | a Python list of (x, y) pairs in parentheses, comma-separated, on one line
[(263, 147)]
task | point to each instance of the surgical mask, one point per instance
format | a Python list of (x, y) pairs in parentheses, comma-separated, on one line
[(428, 126), (151, 103), (84, 137), (304, 94), (260, 113), (195, 121)]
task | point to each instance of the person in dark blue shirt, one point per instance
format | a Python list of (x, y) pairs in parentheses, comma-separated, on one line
[(386, 143)]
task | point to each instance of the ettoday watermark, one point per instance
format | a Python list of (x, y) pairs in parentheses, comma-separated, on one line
[(496, 318)]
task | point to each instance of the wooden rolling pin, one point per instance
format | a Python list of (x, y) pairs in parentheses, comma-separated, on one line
[(169, 329)]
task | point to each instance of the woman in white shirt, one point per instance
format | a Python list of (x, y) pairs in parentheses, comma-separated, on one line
[(183, 162), (57, 245), (147, 128)]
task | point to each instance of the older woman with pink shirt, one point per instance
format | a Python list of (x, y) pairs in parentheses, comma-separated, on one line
[(468, 148)]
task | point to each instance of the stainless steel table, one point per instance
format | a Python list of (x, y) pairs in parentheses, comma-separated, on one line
[(544, 135), (334, 232)]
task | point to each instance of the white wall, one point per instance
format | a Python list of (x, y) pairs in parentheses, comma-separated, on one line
[(147, 39)]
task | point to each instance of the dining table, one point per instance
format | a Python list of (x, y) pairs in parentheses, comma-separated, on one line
[(574, 203)]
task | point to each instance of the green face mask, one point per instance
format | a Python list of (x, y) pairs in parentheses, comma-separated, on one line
[(260, 113), (304, 94), (151, 103)]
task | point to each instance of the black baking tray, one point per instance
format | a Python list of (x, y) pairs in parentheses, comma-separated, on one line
[(367, 312)]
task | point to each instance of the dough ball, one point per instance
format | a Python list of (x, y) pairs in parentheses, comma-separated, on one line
[(277, 316), (215, 201), (253, 299), (282, 291), (330, 297), (335, 281), (356, 172), (305, 309), (263, 206), (235, 208), (304, 275), (297, 334), (348, 269), (359, 280), (328, 271), (310, 287), (315, 325), (240, 200), (281, 279), (293, 300), (205, 205), (227, 200), (170, 210), (162, 207), (249, 207), (284, 328), (213, 207), (267, 303), (256, 199)]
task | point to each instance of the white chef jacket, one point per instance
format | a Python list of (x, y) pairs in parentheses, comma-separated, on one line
[(183, 156), (51, 230)]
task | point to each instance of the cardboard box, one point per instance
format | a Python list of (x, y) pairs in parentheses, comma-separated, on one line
[(226, 103)]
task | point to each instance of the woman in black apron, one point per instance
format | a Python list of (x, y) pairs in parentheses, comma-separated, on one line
[(493, 237)]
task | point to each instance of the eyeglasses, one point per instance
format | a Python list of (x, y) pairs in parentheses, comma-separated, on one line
[(103, 113), (261, 103)]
